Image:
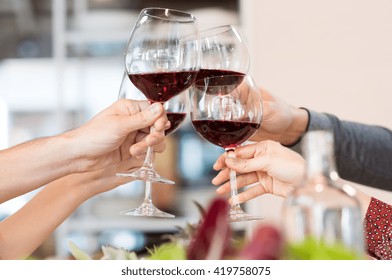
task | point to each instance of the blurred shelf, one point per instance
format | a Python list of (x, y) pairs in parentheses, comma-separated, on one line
[(82, 82)]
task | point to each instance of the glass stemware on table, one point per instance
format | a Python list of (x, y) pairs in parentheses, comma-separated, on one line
[(162, 60), (227, 111)]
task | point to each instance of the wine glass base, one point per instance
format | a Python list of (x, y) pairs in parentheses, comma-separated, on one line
[(145, 174), (236, 214), (146, 210)]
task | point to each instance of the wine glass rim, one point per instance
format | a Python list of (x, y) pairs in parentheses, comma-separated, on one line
[(181, 16), (217, 30)]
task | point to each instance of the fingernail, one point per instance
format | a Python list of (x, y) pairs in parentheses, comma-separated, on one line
[(155, 108), (167, 125)]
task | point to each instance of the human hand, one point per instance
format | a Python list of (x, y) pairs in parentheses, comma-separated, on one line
[(281, 122), (118, 132), (82, 186), (267, 166)]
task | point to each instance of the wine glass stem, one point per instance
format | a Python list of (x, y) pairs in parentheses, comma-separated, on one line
[(233, 183), (147, 195), (149, 159)]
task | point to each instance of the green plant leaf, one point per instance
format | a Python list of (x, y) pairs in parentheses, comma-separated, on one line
[(312, 249), (76, 252), (168, 251), (112, 253)]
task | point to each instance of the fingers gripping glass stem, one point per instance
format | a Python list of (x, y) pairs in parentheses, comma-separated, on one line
[(233, 182), (236, 214), (147, 171)]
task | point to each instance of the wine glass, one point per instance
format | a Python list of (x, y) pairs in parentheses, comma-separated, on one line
[(162, 59), (176, 111), (223, 52), (227, 111)]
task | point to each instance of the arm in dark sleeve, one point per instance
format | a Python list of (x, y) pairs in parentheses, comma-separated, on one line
[(363, 153)]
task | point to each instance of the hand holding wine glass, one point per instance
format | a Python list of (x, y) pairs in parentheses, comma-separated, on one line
[(176, 110), (227, 111), (162, 60)]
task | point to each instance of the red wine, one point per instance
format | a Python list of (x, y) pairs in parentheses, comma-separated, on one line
[(226, 134), (175, 120), (204, 73), (161, 86)]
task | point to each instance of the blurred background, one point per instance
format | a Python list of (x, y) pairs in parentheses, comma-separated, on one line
[(61, 62)]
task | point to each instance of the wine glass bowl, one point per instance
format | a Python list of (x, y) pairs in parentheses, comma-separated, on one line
[(223, 52), (176, 111), (162, 60), (162, 57), (227, 111)]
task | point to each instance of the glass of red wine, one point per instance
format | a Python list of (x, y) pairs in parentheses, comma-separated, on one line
[(176, 108), (223, 52), (226, 111), (162, 59)]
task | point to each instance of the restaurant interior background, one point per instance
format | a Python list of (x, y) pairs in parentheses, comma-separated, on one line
[(61, 62)]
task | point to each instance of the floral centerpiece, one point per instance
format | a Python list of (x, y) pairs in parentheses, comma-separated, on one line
[(212, 238)]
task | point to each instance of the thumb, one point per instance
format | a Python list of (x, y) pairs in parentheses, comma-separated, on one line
[(143, 119)]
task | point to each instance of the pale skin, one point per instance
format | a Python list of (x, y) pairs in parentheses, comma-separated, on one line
[(269, 167), (106, 139), (74, 167), (259, 163), (282, 122), (23, 232)]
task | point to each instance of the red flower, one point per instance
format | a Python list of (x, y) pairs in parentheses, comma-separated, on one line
[(211, 240)]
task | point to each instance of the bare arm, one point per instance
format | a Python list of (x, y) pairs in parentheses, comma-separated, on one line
[(30, 165), (107, 139), (24, 231)]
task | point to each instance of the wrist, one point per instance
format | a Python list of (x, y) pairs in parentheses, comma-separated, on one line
[(297, 128), (76, 157), (75, 188)]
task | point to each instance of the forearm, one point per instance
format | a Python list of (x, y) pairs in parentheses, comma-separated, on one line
[(24, 231), (27, 229), (33, 164), (363, 153)]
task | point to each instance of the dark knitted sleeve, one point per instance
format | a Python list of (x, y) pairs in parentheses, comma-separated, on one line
[(363, 153)]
